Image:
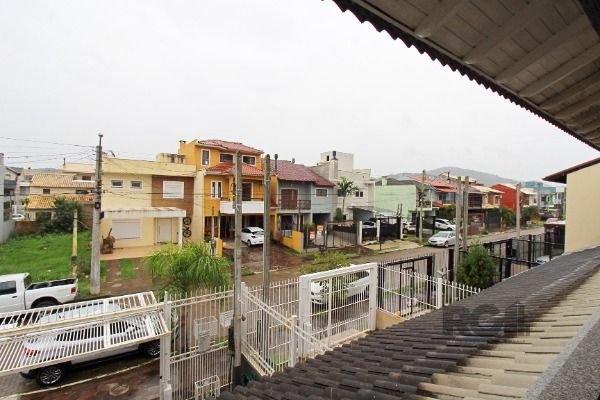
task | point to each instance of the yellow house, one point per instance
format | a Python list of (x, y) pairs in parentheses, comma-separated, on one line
[(145, 203), (215, 184), (583, 194)]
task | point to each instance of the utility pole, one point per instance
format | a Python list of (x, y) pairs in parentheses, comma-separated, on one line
[(421, 200), (267, 229), (237, 271), (74, 252), (518, 205), (465, 216), (458, 201), (96, 237)]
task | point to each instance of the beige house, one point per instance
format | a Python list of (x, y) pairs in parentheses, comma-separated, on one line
[(145, 203), (583, 193), (46, 187)]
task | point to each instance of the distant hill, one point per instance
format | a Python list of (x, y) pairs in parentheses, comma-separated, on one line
[(485, 178)]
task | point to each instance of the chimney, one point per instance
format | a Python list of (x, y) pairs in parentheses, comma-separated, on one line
[(276, 157), (384, 181), (334, 153), (293, 160)]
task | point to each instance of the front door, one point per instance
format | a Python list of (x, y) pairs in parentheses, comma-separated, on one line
[(164, 230)]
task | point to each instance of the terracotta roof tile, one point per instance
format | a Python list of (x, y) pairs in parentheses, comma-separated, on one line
[(59, 181), (47, 202), (228, 146), (227, 168), (288, 171)]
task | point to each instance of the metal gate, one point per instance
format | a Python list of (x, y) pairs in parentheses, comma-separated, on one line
[(338, 305)]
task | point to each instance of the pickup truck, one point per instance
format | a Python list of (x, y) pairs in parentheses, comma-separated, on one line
[(18, 292)]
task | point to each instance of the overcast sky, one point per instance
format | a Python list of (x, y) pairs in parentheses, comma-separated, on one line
[(290, 77)]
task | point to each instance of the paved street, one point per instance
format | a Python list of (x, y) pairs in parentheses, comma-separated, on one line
[(135, 377)]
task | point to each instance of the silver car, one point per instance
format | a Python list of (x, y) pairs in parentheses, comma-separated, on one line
[(443, 239), (83, 338)]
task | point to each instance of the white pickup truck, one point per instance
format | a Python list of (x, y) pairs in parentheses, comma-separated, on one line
[(17, 292)]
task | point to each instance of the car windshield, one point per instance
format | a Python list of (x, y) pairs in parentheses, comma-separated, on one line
[(258, 232), (442, 234)]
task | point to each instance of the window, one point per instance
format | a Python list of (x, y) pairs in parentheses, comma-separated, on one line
[(81, 191), (249, 160), (136, 184), (126, 229), (9, 287), (46, 191), (215, 189), (246, 191), (359, 194), (205, 157), (172, 190), (116, 183), (226, 157), (86, 177), (321, 193)]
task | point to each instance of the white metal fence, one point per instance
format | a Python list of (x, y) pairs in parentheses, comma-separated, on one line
[(339, 305), (408, 294)]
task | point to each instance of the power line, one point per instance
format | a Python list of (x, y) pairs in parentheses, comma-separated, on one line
[(47, 142)]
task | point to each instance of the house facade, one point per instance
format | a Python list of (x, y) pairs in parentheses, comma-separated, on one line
[(333, 166), (145, 203), (509, 196), (213, 159), (399, 196), (583, 189), (7, 225), (302, 196)]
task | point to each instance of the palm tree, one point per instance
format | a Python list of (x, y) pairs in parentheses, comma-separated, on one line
[(188, 268), (345, 187)]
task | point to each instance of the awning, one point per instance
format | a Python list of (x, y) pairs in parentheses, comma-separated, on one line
[(144, 212), (30, 339)]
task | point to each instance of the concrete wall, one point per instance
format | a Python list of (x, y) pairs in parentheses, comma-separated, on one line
[(583, 195), (388, 197)]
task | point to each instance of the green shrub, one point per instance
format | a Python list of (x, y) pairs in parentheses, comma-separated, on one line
[(339, 215), (508, 216), (477, 268), (327, 261)]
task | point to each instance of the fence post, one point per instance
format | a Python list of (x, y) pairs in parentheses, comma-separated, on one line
[(380, 284), (373, 299), (530, 251), (451, 265), (431, 274), (165, 354), (293, 340), (439, 288)]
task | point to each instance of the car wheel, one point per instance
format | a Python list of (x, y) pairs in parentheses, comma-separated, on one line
[(249, 243), (51, 375), (28, 375), (446, 244), (151, 349), (45, 303)]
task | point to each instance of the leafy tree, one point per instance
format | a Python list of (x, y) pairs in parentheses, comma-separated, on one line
[(345, 187), (447, 212), (63, 216), (339, 215), (188, 268), (477, 269), (508, 216), (529, 213)]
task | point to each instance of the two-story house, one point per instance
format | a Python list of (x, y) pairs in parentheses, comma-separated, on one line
[(145, 203), (333, 166), (215, 185), (395, 196), (528, 197), (301, 195)]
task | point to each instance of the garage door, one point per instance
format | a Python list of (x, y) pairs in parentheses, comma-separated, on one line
[(126, 229)]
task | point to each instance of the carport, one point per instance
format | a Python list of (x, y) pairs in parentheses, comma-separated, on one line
[(29, 339)]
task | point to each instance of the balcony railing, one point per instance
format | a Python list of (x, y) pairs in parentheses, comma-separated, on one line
[(287, 204)]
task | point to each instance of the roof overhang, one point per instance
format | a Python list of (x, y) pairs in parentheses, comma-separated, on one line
[(144, 212), (561, 176), (543, 56)]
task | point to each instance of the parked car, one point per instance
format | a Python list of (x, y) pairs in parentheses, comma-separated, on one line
[(443, 239), (409, 227), (369, 225), (83, 338), (359, 285), (253, 235), (444, 224), (17, 292), (18, 217)]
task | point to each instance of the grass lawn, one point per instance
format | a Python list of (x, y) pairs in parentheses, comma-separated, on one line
[(126, 266), (47, 257)]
